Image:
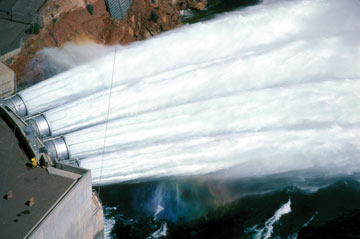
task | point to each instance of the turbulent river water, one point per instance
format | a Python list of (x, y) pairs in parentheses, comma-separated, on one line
[(243, 124)]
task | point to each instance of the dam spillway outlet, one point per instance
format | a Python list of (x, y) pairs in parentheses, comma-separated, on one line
[(61, 191), (17, 105), (40, 125), (57, 148), (281, 88)]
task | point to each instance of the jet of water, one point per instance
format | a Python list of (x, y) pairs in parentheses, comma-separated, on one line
[(269, 89)]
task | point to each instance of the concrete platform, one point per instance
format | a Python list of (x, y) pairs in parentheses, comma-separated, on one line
[(20, 10), (11, 34), (15, 16), (7, 81), (16, 218)]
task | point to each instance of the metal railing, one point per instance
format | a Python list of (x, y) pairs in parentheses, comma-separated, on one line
[(118, 8)]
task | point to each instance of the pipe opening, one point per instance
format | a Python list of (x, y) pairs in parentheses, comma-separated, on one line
[(40, 125), (57, 148), (17, 105)]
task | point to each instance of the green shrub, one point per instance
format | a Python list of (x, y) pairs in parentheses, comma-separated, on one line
[(34, 28), (90, 8), (153, 16)]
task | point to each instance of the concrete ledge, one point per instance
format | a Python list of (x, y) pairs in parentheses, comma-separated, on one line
[(63, 173), (12, 53), (5, 15), (11, 35), (7, 81), (25, 18)]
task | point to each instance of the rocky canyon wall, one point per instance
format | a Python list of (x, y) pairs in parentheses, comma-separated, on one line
[(71, 21)]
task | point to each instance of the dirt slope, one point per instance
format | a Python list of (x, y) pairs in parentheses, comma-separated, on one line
[(70, 21)]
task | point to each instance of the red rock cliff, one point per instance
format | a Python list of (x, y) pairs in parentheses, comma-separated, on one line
[(70, 21)]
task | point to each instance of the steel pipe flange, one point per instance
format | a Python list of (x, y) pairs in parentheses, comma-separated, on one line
[(40, 125), (17, 105), (57, 148)]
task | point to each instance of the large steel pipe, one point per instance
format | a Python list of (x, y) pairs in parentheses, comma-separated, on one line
[(40, 125), (17, 105), (57, 148)]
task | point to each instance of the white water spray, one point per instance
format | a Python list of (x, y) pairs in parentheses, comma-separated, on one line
[(312, 105), (267, 230), (291, 104), (237, 74), (254, 153), (269, 89), (254, 30)]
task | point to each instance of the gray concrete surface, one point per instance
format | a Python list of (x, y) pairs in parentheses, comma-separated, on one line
[(11, 34), (15, 16), (65, 206), (74, 216), (118, 8), (16, 218), (20, 10), (7, 81)]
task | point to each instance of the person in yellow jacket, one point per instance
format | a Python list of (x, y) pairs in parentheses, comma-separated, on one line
[(34, 162)]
